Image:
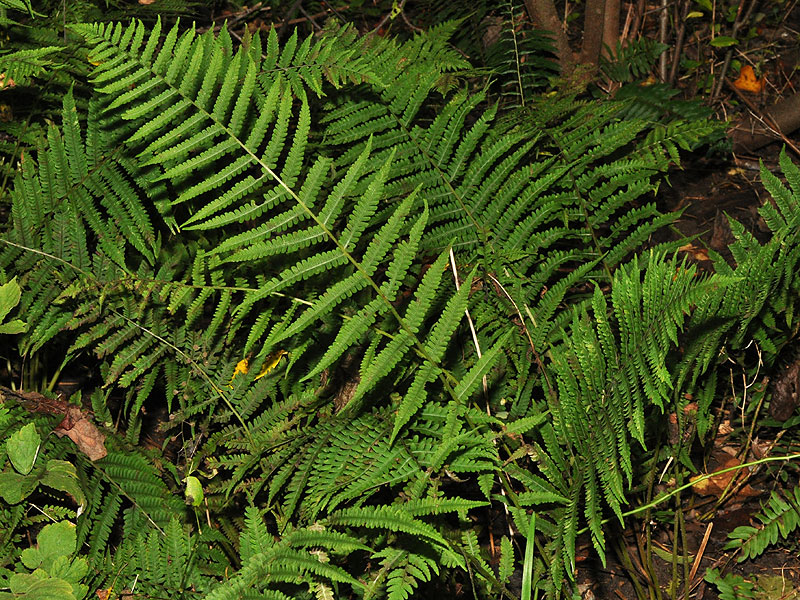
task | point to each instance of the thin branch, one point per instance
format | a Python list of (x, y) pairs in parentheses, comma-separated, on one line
[(729, 54), (390, 16), (676, 57), (471, 329)]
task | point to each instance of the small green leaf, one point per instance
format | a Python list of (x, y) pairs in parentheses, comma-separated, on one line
[(22, 448), (694, 14), (53, 541), (667, 556), (61, 475), (35, 585), (14, 488), (723, 41), (194, 491), (13, 327), (9, 297)]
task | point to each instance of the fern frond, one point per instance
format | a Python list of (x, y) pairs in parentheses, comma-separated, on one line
[(779, 518), (385, 517), (339, 57), (153, 505), (19, 67)]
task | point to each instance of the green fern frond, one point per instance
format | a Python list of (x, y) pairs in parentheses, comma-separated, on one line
[(161, 562), (779, 518), (283, 564), (339, 57), (731, 586), (634, 60), (786, 212), (521, 58), (20, 67), (507, 560), (255, 538), (400, 573), (385, 517), (153, 505)]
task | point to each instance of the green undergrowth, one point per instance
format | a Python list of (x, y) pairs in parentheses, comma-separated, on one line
[(362, 309)]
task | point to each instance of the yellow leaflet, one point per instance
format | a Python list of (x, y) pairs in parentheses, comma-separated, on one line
[(241, 367), (244, 365), (272, 362)]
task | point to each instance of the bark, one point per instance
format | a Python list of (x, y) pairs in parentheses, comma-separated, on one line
[(751, 133), (544, 14), (611, 28), (593, 26)]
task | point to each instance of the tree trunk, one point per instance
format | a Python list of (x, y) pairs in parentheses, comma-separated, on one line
[(611, 28), (544, 15), (593, 25)]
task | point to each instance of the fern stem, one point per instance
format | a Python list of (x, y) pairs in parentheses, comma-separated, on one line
[(516, 55), (648, 570), (536, 356), (472, 331), (648, 527), (676, 534), (734, 485), (627, 564), (667, 495), (685, 549)]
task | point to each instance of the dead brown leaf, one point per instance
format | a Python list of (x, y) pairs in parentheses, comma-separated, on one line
[(83, 432), (721, 480), (695, 252), (748, 82), (76, 423)]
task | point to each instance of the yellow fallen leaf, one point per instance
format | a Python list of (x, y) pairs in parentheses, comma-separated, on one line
[(241, 369), (695, 252), (748, 82)]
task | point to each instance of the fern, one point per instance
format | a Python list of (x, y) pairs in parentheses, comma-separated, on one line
[(779, 518), (159, 563), (634, 60), (730, 586), (404, 571), (430, 293), (20, 67), (519, 59)]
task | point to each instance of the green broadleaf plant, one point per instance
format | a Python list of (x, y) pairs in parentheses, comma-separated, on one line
[(9, 298)]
